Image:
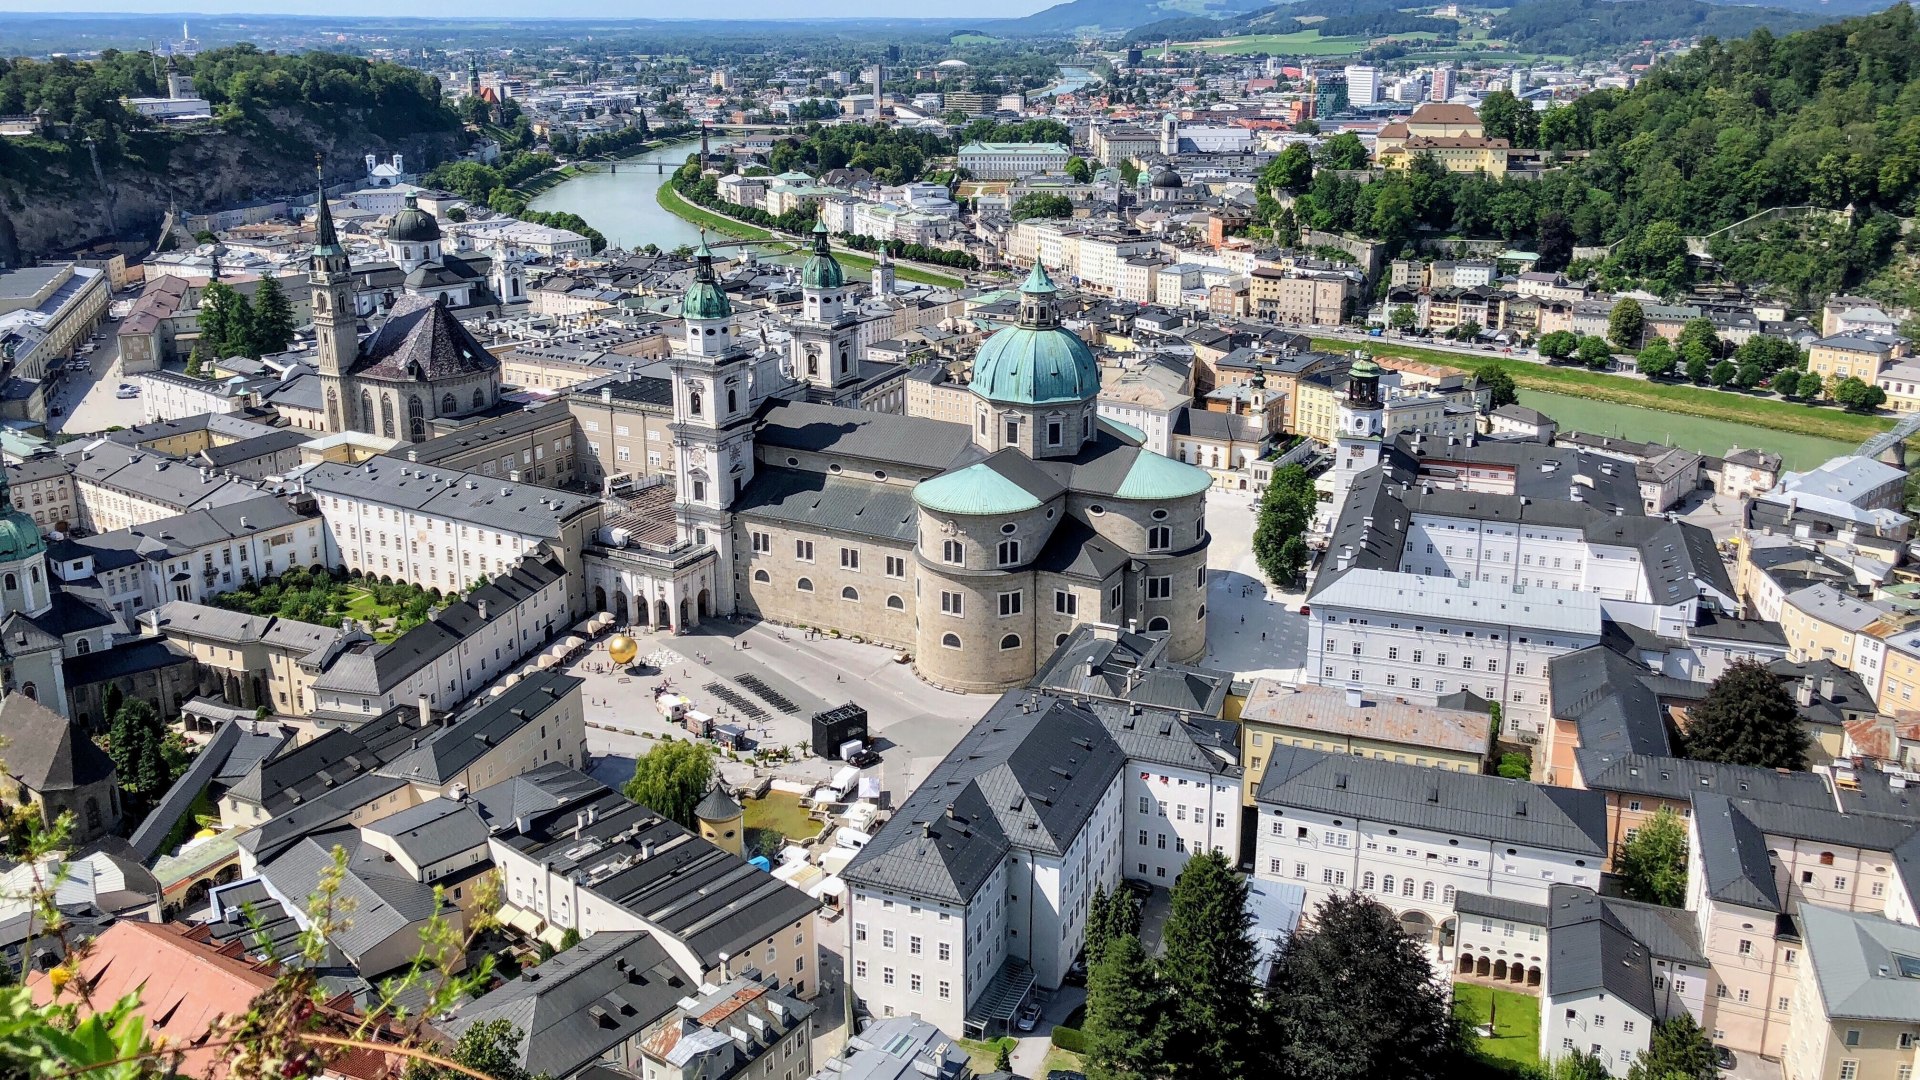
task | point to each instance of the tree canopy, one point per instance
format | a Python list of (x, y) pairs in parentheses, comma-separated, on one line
[(1652, 862), (672, 778), (1747, 718)]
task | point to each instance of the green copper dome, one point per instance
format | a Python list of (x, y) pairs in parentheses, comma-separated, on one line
[(19, 536), (413, 225), (822, 270), (1037, 361), (705, 299), (1154, 477), (975, 489)]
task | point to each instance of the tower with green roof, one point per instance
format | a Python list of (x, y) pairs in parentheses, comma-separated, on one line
[(826, 337), (1360, 428), (1035, 384), (713, 407)]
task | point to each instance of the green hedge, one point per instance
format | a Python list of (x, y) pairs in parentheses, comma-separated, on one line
[(1072, 1040)]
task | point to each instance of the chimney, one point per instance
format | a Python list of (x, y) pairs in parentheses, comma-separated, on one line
[(646, 849), (1804, 692), (1354, 698), (480, 606), (425, 706), (579, 823), (1826, 687)]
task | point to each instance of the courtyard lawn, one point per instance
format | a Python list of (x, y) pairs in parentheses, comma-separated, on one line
[(1299, 43), (981, 1053), (780, 813), (1687, 400), (1516, 1033), (1063, 1060)]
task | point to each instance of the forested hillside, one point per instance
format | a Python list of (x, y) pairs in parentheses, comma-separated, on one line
[(1828, 117), (272, 114)]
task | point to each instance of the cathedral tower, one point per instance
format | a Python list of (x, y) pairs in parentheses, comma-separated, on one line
[(713, 407), (335, 326), (826, 336)]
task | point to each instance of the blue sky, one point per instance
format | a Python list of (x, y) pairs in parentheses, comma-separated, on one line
[(732, 9)]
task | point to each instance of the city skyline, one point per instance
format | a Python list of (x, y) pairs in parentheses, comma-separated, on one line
[(744, 10)]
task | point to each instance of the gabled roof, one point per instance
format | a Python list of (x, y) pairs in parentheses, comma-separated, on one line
[(1733, 855), (421, 340), (1027, 776), (44, 751), (1866, 967), (1466, 804)]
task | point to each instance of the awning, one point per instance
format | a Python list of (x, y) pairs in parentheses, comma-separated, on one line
[(519, 918), (553, 936), (509, 681), (498, 689), (546, 662), (557, 653), (573, 643)]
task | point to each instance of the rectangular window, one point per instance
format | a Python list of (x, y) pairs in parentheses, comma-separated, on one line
[(1159, 588), (803, 550), (896, 566), (1065, 603), (950, 603), (1010, 603), (849, 558)]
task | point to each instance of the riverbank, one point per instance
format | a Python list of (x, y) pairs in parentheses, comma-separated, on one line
[(1765, 412), (672, 202)]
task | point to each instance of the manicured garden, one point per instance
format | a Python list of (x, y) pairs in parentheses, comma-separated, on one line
[(1516, 1031), (387, 609), (1747, 408)]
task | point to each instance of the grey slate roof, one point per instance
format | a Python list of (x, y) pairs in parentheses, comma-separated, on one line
[(238, 627), (1589, 952), (445, 752), (436, 829), (1119, 665), (1681, 778), (473, 437), (1025, 776), (1733, 855), (1610, 701), (1499, 907), (522, 509), (1861, 964), (421, 340), (583, 1002), (231, 745), (45, 751), (1489, 807), (367, 668), (887, 440), (840, 504), (1074, 550)]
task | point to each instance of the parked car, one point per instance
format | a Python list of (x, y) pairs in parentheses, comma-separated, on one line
[(1077, 972), (865, 759), (127, 392), (1137, 887), (1723, 1058), (1306, 609), (1029, 1017)]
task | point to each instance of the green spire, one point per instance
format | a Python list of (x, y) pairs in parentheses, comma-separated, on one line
[(1038, 281), (822, 270)]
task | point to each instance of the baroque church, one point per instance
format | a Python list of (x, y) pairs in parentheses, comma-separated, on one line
[(975, 548), (421, 364)]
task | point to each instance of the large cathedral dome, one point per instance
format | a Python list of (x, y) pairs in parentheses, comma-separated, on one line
[(413, 225), (1036, 361)]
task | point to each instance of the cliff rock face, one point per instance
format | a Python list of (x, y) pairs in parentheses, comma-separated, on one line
[(64, 207)]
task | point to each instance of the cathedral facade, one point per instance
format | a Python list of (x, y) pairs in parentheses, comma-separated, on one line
[(976, 548), (421, 364)]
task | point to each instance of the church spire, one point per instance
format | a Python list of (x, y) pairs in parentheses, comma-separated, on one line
[(325, 240)]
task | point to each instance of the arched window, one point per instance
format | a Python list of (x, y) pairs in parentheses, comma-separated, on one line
[(1447, 895), (32, 691), (1386, 884), (813, 364), (733, 401), (93, 813), (849, 593), (479, 399), (1826, 857), (448, 405), (386, 417), (1159, 538), (894, 603), (951, 641), (12, 582), (1406, 887), (1426, 891), (1159, 622), (416, 418), (1011, 641), (366, 412), (804, 585), (1366, 880), (1009, 552), (693, 401), (33, 573), (761, 575)]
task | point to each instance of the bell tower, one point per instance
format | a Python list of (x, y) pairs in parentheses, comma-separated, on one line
[(335, 325), (825, 338), (1360, 430), (713, 410)]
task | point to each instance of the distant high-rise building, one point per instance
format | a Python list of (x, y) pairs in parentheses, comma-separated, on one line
[(1133, 57), (1442, 83), (1363, 85), (1517, 81), (893, 54)]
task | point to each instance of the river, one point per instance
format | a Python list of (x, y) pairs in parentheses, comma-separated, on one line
[(622, 204), (1714, 437), (1072, 79)]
